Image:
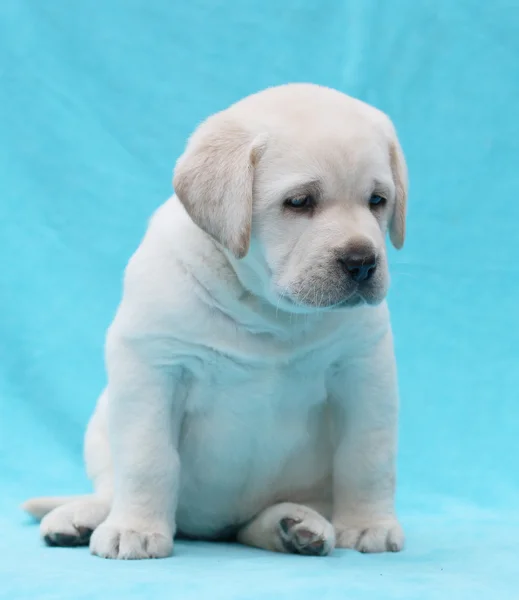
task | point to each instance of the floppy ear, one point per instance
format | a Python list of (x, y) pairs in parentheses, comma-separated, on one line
[(399, 170), (213, 179)]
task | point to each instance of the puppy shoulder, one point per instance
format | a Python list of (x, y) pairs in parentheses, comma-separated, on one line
[(158, 288)]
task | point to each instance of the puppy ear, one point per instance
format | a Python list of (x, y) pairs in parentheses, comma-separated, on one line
[(399, 170), (213, 179)]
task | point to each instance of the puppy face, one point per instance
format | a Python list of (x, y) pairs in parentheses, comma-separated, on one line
[(302, 183)]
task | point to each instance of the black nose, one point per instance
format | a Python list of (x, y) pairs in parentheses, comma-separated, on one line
[(359, 267)]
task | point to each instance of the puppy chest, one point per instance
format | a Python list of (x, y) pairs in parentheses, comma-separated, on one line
[(245, 434), (239, 420), (271, 415), (250, 390)]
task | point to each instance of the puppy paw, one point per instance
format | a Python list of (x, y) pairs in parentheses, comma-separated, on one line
[(385, 535), (72, 524), (309, 534), (113, 540)]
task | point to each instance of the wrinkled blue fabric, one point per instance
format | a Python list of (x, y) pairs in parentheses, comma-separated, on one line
[(96, 101)]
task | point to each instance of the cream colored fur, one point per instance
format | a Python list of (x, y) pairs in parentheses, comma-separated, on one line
[(252, 388)]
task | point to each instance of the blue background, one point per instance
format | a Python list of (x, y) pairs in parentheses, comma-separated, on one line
[(96, 101)]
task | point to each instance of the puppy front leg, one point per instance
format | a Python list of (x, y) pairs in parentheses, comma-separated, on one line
[(144, 416), (365, 406)]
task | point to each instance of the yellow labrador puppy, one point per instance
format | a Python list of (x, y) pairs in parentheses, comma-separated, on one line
[(252, 388)]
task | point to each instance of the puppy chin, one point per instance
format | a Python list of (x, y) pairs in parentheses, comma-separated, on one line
[(293, 304), (373, 297), (341, 297), (351, 302), (361, 298)]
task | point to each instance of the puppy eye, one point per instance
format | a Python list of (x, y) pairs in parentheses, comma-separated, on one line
[(377, 201), (300, 202)]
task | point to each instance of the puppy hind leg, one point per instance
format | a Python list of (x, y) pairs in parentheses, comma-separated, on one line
[(72, 523), (289, 528)]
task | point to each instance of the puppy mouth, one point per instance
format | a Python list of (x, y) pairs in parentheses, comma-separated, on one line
[(359, 300), (352, 301), (334, 299)]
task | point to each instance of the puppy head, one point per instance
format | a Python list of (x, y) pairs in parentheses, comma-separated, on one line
[(304, 182)]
